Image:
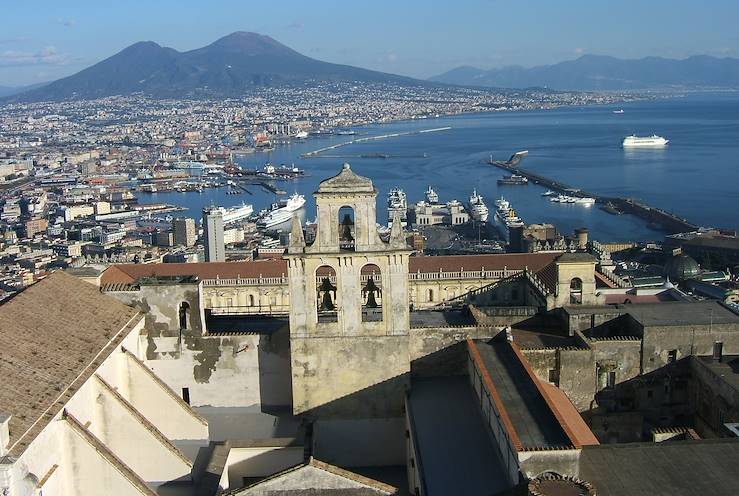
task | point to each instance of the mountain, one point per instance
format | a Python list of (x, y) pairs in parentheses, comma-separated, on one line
[(229, 66), (14, 90), (596, 72)]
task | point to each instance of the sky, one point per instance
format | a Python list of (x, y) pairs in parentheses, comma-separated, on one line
[(44, 40)]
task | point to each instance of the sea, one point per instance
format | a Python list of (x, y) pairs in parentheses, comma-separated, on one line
[(695, 176)]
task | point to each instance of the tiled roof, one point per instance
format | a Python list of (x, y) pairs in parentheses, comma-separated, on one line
[(53, 336), (511, 261), (131, 273)]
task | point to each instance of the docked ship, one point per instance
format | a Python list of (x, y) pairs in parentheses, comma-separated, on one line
[(281, 172), (237, 213), (301, 135), (281, 211), (653, 141), (513, 180), (397, 202), (431, 195), (507, 217), (478, 210)]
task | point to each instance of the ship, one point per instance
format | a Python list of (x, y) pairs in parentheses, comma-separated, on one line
[(478, 210), (301, 135), (281, 172), (237, 213), (431, 195), (513, 180), (345, 132), (653, 141), (280, 212), (619, 111), (507, 217), (397, 202)]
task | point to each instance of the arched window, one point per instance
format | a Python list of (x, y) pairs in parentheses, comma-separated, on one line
[(346, 228), (184, 315), (251, 300), (576, 291), (326, 304), (371, 284)]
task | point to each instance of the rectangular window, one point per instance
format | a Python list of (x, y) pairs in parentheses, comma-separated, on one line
[(671, 356), (611, 379), (553, 376), (186, 395)]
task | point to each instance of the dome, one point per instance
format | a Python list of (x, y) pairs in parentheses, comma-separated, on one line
[(681, 268)]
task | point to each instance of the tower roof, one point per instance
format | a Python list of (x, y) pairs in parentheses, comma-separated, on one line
[(346, 181)]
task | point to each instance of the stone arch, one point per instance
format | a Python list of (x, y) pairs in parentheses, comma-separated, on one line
[(326, 291), (250, 301), (370, 282), (347, 227), (575, 291)]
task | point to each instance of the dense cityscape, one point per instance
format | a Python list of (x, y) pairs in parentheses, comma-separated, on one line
[(239, 270)]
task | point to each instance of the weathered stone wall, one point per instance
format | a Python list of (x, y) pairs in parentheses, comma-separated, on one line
[(712, 398), (687, 340), (443, 350), (229, 370), (350, 376)]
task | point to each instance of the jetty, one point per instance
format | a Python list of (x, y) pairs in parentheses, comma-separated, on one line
[(319, 151), (667, 221)]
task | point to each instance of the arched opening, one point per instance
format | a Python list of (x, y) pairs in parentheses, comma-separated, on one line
[(371, 284), (430, 295), (184, 314), (326, 304), (346, 228), (576, 291), (250, 300)]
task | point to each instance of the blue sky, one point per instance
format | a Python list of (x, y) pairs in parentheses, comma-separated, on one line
[(44, 40)]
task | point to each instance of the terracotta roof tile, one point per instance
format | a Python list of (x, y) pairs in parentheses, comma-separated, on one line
[(50, 334)]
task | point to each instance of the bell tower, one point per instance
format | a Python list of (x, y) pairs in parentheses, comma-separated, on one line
[(349, 307)]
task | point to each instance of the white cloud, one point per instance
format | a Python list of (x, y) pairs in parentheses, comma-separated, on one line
[(46, 56)]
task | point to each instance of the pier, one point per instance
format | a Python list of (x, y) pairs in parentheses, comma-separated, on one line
[(319, 151), (666, 220)]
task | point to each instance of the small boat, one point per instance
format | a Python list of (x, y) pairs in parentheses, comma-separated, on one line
[(549, 192), (619, 111)]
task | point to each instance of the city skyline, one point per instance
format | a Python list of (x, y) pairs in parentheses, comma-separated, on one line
[(415, 42)]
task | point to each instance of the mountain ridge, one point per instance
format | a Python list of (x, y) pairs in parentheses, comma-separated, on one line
[(602, 72), (229, 66)]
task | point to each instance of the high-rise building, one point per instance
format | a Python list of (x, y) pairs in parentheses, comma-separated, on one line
[(215, 248), (185, 233)]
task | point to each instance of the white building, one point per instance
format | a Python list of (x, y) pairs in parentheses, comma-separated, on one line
[(79, 411)]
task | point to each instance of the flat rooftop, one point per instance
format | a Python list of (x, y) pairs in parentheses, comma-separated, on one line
[(677, 468), (457, 455), (727, 369), (244, 324), (683, 313), (533, 420)]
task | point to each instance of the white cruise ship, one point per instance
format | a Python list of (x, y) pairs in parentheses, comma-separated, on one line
[(478, 209), (653, 141), (237, 213), (397, 201), (432, 196), (281, 211)]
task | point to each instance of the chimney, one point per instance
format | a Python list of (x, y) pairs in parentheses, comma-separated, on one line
[(4, 433), (718, 351)]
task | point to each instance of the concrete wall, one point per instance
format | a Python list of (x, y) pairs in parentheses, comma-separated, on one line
[(360, 442), (258, 461), (561, 461)]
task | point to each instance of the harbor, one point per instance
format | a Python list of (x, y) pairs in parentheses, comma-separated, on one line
[(667, 221)]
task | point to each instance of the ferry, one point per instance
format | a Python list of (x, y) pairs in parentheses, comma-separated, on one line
[(237, 213), (513, 180), (431, 196), (478, 210), (397, 201), (653, 141), (280, 212)]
